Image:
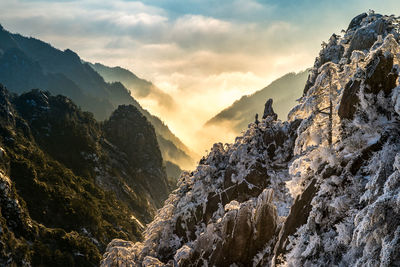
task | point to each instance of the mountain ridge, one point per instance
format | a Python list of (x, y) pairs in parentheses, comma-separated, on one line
[(140, 88), (319, 189), (284, 91), (62, 72)]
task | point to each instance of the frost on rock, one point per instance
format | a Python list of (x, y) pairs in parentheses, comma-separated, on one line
[(321, 189), (353, 216)]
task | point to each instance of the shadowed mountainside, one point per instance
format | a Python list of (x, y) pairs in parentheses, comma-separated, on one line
[(27, 63), (69, 184)]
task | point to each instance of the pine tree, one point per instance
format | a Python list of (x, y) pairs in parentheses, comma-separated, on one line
[(326, 95)]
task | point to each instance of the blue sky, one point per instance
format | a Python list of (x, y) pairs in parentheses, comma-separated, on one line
[(205, 53)]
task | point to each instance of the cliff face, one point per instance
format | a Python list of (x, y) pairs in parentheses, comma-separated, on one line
[(320, 189), (67, 190)]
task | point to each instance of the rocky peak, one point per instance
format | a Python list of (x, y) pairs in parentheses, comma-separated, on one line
[(131, 132), (128, 129), (363, 32), (356, 21)]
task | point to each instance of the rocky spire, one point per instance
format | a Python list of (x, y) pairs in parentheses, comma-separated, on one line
[(269, 111)]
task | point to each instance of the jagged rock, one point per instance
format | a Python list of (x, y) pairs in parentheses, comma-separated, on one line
[(244, 232), (298, 216), (380, 74), (365, 37), (269, 111), (356, 21), (130, 131), (251, 186), (333, 52)]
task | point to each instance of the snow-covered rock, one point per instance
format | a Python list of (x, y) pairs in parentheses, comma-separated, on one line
[(321, 189)]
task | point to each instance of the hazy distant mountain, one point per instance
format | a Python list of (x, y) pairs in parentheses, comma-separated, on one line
[(27, 63), (284, 91), (173, 149), (140, 88)]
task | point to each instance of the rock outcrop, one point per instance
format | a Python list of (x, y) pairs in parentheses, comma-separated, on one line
[(269, 111)]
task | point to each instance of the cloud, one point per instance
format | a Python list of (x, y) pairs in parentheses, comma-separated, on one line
[(139, 19), (205, 53), (201, 24)]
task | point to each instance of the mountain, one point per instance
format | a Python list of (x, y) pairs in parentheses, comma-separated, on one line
[(172, 148), (27, 63), (320, 189), (284, 92), (69, 184), (140, 88)]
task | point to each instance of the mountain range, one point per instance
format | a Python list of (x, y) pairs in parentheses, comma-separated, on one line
[(27, 63), (84, 178)]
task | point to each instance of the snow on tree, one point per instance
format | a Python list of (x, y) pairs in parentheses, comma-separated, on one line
[(321, 189)]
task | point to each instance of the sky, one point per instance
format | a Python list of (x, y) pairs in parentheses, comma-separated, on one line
[(204, 53)]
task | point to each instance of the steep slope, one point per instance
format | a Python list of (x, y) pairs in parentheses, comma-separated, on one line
[(284, 91), (50, 215), (140, 88), (27, 63), (72, 182), (321, 189)]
